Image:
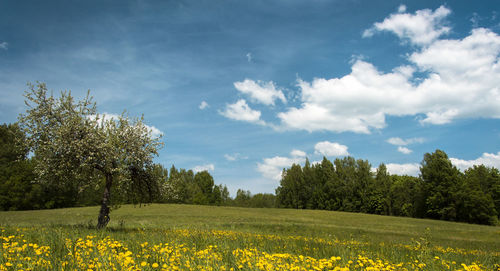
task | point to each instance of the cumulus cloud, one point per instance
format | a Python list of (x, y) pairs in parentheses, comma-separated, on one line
[(420, 28), (411, 169), (298, 153), (242, 112), (404, 150), (4, 45), (327, 148), (207, 167), (487, 159), (203, 105), (271, 168), (261, 92), (462, 79)]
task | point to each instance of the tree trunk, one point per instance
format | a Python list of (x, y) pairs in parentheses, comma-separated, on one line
[(103, 218)]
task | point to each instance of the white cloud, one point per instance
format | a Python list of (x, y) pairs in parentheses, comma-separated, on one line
[(401, 8), (403, 142), (203, 105), (487, 159), (241, 111), (271, 168), (249, 57), (421, 28), (404, 150), (234, 157), (412, 169), (155, 132), (207, 167), (462, 81), (356, 102), (327, 148), (4, 45), (262, 92), (397, 141), (298, 153)]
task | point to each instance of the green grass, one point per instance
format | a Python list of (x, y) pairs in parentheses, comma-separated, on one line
[(392, 239)]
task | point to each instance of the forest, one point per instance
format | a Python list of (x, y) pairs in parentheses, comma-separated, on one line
[(440, 192)]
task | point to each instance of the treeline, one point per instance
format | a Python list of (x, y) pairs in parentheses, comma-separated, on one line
[(441, 191), (21, 190), (183, 186)]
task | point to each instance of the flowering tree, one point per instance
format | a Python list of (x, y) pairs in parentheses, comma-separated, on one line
[(75, 146)]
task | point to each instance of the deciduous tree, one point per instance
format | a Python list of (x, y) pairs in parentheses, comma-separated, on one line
[(77, 147)]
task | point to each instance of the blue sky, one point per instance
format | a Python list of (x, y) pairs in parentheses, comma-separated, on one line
[(245, 88)]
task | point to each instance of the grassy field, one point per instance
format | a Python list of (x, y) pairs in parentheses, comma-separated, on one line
[(184, 237)]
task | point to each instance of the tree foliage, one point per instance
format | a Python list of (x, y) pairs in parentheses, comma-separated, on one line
[(75, 147), (17, 188), (441, 192)]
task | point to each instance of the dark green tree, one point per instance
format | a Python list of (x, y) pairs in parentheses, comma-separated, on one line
[(442, 182), (406, 196), (205, 182), (291, 193), (242, 198), (476, 201), (18, 190), (379, 201)]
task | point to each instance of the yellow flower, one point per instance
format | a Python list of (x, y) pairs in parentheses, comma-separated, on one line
[(155, 265), (144, 263)]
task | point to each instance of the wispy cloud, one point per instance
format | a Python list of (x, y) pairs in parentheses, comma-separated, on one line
[(203, 105), (403, 142), (4, 45), (397, 141), (404, 150), (249, 57), (235, 157)]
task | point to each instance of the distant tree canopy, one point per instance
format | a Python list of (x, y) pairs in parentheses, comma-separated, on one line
[(75, 147), (16, 172), (183, 186), (442, 191)]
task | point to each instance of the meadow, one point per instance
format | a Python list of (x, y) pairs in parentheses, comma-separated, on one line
[(190, 237)]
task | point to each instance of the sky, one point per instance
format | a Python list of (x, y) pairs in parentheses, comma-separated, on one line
[(244, 89)]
